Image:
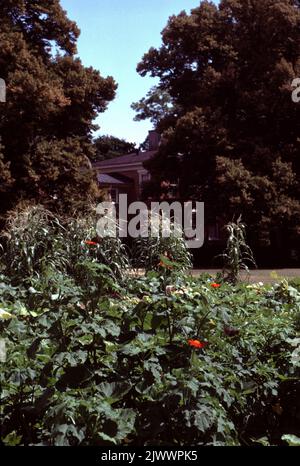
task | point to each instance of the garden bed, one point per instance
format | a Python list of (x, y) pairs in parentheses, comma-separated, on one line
[(92, 356), (169, 360)]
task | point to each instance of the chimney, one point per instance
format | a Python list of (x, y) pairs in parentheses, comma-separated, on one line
[(154, 140)]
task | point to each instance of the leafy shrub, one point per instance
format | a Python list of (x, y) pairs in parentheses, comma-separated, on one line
[(109, 251), (94, 359), (36, 241), (295, 282), (32, 241), (149, 365), (147, 252)]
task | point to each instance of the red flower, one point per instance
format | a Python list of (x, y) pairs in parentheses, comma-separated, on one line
[(164, 265), (197, 343), (91, 243), (215, 285)]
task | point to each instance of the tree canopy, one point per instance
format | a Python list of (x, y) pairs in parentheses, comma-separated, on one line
[(156, 106), (108, 147), (46, 125), (234, 137)]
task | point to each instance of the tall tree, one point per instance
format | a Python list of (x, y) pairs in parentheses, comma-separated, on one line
[(235, 139), (108, 147), (46, 124), (157, 106)]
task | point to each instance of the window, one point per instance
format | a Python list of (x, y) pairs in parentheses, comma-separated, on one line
[(145, 177)]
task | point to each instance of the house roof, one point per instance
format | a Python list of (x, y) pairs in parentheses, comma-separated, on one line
[(141, 157), (113, 179)]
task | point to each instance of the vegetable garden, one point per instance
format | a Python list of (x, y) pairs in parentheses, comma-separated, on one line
[(95, 356)]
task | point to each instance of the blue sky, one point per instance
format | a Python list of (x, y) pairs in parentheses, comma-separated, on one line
[(115, 34)]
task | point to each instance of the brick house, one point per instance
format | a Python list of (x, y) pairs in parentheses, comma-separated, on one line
[(126, 174)]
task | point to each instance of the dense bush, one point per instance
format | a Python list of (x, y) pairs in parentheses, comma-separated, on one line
[(94, 364), (94, 357), (35, 241), (147, 251)]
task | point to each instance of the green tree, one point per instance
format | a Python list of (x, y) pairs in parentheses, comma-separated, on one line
[(156, 106), (5, 175), (234, 141), (46, 124), (108, 147)]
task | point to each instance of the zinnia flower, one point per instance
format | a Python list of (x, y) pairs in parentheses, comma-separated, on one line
[(215, 285), (196, 343), (91, 243), (164, 265)]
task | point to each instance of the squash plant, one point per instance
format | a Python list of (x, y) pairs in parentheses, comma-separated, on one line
[(93, 362)]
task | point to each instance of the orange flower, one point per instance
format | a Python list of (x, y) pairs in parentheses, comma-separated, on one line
[(91, 243), (164, 265), (197, 343), (215, 285)]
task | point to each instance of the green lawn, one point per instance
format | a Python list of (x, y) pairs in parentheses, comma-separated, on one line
[(260, 275)]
